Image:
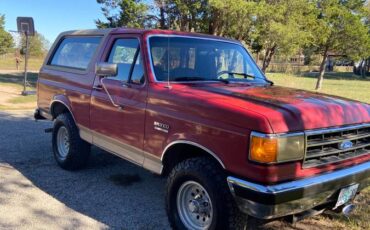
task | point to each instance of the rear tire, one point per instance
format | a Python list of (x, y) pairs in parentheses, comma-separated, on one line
[(70, 151), (191, 177)]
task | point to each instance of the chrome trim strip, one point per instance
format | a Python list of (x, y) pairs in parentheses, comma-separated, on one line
[(332, 152), (303, 183), (194, 37), (338, 140), (338, 129), (194, 144), (161, 129), (272, 135), (322, 193)]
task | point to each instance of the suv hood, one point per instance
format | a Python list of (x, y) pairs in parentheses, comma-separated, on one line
[(290, 109)]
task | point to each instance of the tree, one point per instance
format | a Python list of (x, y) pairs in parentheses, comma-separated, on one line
[(264, 25), (340, 29), (38, 45), (186, 15), (232, 18), (284, 26), (124, 13), (268, 26), (6, 40)]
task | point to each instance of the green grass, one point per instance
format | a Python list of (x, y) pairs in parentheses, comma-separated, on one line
[(34, 64), (23, 99), (341, 84)]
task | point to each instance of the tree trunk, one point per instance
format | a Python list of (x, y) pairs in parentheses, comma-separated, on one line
[(162, 19), (268, 56), (364, 68), (320, 78)]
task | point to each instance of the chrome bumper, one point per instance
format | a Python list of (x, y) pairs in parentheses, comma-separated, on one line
[(272, 201)]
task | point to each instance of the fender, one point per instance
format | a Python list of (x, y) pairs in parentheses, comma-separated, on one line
[(212, 154), (63, 100)]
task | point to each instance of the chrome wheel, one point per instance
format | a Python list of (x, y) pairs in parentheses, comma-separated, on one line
[(194, 206), (63, 142)]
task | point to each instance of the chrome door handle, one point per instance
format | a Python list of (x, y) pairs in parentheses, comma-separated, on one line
[(97, 87)]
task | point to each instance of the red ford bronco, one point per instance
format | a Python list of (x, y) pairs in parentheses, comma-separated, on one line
[(196, 108)]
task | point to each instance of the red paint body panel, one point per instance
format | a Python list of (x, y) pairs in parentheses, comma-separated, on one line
[(72, 89), (217, 116), (125, 125)]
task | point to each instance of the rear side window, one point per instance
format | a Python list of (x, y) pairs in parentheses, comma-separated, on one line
[(75, 52)]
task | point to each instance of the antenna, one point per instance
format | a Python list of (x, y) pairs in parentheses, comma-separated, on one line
[(168, 64), (168, 86)]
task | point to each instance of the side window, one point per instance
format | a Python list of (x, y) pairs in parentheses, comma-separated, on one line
[(137, 76), (124, 53), (75, 52)]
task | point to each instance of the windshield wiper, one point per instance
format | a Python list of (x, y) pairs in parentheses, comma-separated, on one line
[(237, 73), (268, 81), (226, 81), (249, 76)]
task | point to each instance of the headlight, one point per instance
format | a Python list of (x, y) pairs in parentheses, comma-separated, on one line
[(275, 148)]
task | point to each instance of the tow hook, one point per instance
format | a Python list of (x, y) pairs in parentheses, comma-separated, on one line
[(348, 209)]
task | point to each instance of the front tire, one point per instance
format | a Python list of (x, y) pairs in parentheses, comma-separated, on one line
[(70, 151), (197, 197)]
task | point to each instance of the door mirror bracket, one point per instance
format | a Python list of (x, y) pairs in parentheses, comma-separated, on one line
[(108, 94), (103, 70)]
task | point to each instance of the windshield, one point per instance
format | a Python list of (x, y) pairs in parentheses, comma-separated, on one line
[(192, 59)]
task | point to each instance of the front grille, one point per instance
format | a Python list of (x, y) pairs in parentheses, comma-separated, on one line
[(327, 145)]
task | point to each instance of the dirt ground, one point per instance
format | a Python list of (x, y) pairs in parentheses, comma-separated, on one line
[(9, 92)]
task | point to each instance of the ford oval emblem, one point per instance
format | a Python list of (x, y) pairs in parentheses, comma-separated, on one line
[(345, 145)]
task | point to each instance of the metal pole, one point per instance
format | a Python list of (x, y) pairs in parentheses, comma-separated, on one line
[(25, 66)]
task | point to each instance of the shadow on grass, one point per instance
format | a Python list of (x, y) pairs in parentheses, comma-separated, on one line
[(336, 76), (17, 78)]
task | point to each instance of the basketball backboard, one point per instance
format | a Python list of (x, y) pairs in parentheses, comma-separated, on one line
[(25, 25)]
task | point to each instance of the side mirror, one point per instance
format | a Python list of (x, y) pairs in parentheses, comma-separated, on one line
[(104, 69)]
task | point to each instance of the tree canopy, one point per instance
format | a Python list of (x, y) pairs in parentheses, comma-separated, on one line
[(38, 45), (341, 29), (6, 40), (123, 13), (265, 26)]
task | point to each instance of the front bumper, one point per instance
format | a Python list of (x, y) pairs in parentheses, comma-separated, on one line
[(272, 201)]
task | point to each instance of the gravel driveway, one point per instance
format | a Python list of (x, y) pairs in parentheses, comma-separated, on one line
[(36, 194), (109, 194)]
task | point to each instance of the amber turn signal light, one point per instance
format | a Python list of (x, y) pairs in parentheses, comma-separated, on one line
[(263, 150)]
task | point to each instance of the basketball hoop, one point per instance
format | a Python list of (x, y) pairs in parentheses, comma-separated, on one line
[(25, 26)]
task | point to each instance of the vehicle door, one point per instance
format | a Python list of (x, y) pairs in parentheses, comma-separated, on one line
[(118, 102)]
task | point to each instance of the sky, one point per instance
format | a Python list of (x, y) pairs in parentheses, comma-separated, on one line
[(52, 17)]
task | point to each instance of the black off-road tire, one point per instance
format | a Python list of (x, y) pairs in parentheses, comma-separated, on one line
[(79, 150), (213, 178)]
